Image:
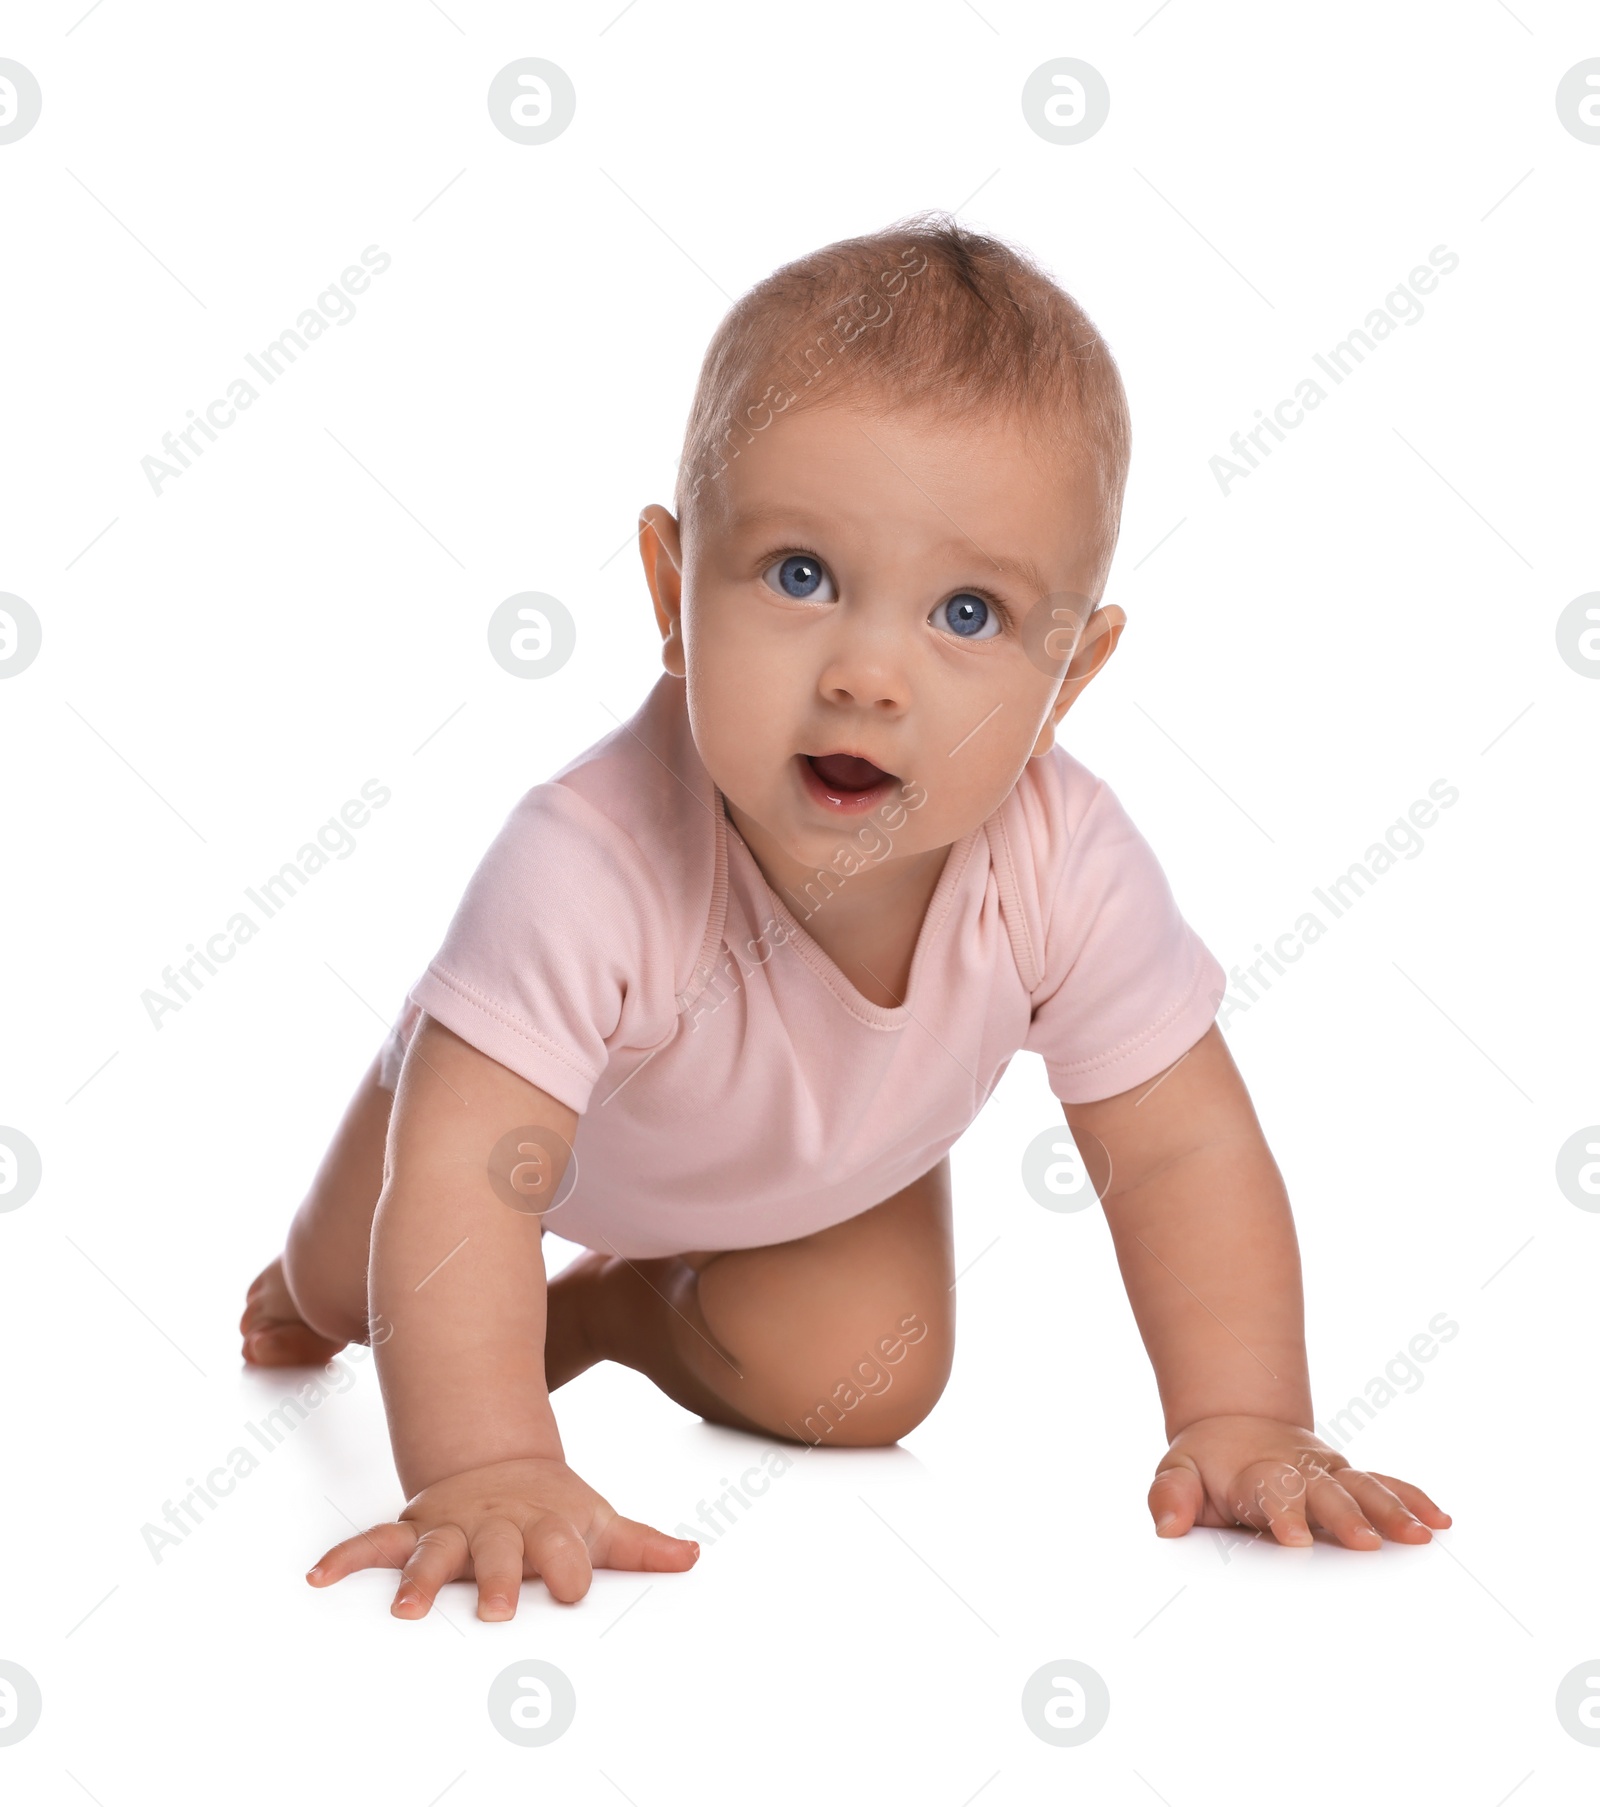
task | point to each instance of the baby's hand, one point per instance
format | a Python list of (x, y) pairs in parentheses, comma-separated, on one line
[(498, 1524), (1277, 1477)]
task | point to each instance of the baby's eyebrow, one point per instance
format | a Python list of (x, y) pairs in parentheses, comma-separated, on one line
[(775, 513), (963, 549), (1022, 569)]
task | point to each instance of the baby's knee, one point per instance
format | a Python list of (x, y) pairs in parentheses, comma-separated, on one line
[(327, 1304), (869, 1389)]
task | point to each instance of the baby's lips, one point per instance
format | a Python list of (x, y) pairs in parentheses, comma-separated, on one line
[(848, 771)]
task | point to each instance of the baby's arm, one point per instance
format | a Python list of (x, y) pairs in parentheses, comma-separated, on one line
[(457, 1296), (1206, 1244)]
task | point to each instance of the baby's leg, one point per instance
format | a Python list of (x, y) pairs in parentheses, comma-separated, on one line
[(306, 1306), (842, 1337)]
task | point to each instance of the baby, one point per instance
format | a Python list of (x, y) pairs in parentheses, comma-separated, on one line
[(727, 987)]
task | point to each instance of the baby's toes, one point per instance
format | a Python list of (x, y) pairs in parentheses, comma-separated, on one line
[(274, 1343), (269, 1295), (274, 1334)]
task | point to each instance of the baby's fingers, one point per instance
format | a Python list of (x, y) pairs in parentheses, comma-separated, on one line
[(1175, 1499), (383, 1547), (1337, 1510), (1417, 1501), (626, 1544), (438, 1558), (497, 1563), (560, 1556), (1273, 1498), (1384, 1508)]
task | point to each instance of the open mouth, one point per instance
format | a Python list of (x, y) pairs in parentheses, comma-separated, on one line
[(845, 782)]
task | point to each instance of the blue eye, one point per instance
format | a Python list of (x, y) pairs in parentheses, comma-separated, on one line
[(969, 616), (800, 576)]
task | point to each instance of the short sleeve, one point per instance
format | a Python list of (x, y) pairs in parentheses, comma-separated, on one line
[(1128, 986), (556, 950)]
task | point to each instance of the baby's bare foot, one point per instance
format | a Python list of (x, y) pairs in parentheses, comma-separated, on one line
[(275, 1335)]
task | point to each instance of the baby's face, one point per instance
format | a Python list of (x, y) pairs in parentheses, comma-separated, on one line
[(879, 585)]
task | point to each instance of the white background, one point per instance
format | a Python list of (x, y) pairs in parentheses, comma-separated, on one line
[(225, 663)]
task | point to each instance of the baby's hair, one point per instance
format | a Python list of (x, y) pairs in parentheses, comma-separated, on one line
[(924, 314)]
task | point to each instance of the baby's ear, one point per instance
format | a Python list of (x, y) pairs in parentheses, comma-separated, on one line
[(1098, 641), (661, 553), (662, 524)]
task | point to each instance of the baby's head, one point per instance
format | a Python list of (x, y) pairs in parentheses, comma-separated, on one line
[(898, 501)]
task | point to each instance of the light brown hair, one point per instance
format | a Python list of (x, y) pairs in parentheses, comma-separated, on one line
[(924, 314)]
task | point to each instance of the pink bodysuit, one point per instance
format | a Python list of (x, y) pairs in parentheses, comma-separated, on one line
[(619, 947)]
